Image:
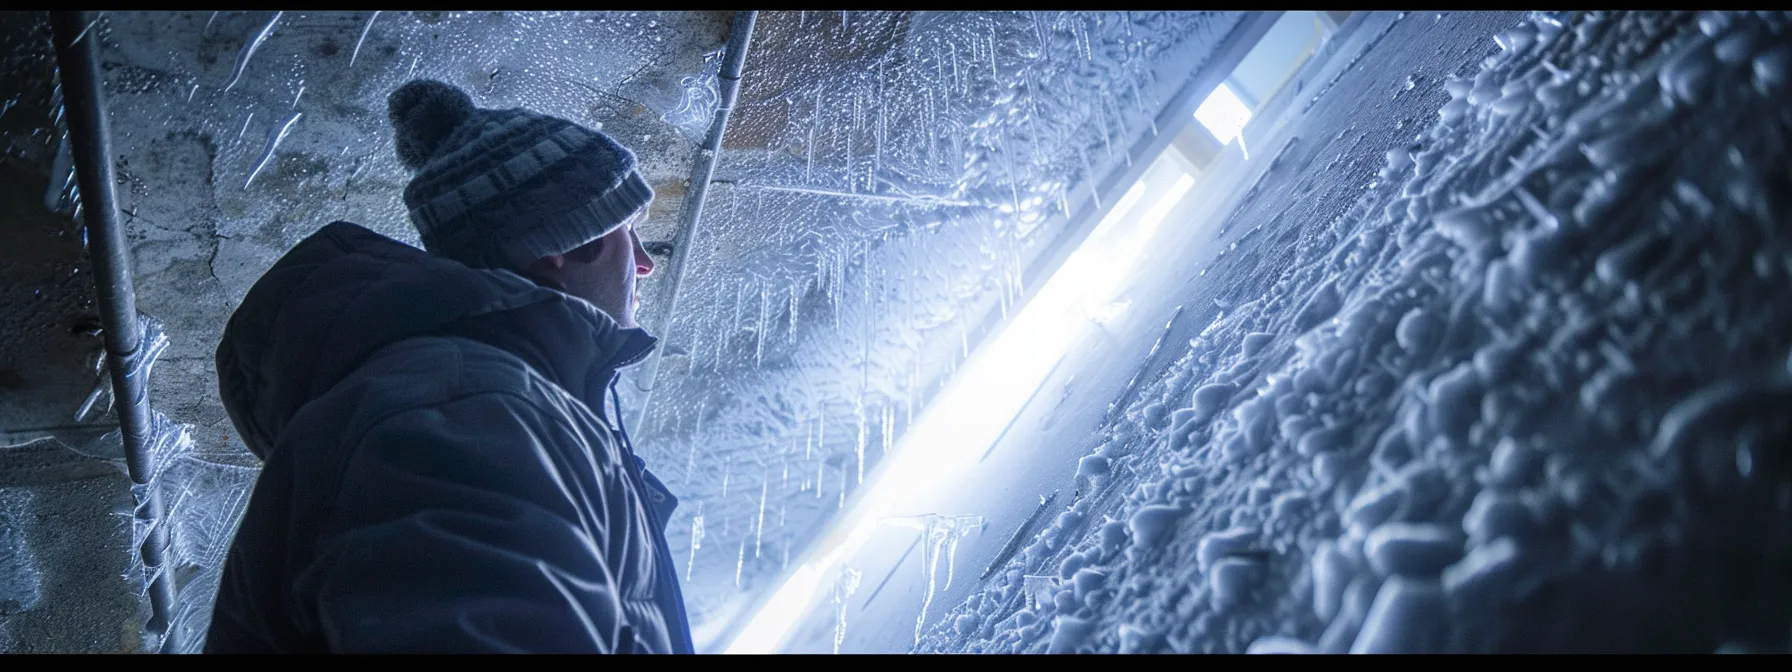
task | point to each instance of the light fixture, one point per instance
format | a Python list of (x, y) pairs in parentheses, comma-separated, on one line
[(989, 390), (1223, 114)]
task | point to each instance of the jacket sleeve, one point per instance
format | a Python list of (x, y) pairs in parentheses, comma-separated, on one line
[(463, 528)]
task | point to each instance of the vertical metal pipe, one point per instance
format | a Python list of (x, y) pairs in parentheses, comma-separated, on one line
[(91, 145), (734, 55)]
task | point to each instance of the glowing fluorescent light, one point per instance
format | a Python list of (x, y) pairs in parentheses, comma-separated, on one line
[(1223, 114), (986, 394)]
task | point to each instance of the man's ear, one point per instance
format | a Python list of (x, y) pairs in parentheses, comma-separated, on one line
[(545, 271)]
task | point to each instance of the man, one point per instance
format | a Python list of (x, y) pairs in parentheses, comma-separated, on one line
[(440, 469)]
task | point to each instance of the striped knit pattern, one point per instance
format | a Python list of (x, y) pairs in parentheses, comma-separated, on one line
[(508, 187)]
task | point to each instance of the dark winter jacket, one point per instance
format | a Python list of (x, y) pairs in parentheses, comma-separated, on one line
[(439, 471)]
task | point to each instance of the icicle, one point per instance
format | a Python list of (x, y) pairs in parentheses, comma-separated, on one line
[(245, 129), (248, 52), (914, 386), (939, 535), (273, 144), (1101, 123), (1121, 120), (1139, 102), (88, 28), (784, 481), (1088, 47), (859, 411), (696, 434), (727, 468), (1089, 174), (852, 128), (839, 279), (960, 527), (1013, 175), (796, 302), (759, 526), (809, 167), (740, 295), (1033, 116), (845, 584), (696, 541), (889, 441), (364, 31), (877, 152), (295, 98), (957, 80), (759, 334), (740, 562)]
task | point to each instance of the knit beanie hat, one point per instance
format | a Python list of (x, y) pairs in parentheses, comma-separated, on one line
[(502, 188)]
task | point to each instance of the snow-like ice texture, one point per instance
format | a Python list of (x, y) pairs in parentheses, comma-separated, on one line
[(202, 499), (1549, 362), (204, 496)]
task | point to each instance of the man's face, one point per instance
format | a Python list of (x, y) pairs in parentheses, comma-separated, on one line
[(604, 272)]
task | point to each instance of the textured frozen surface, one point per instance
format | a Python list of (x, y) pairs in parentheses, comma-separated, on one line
[(1527, 393), (1523, 391)]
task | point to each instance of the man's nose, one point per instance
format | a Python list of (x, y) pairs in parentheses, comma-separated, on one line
[(643, 261)]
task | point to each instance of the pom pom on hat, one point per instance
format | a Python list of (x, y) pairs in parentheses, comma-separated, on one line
[(423, 113)]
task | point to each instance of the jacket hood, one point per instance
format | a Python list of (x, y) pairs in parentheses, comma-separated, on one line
[(345, 292)]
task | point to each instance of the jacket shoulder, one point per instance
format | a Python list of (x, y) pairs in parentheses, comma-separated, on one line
[(427, 370), (425, 373)]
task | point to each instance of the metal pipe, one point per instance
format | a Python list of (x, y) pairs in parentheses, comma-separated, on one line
[(91, 145), (734, 55)]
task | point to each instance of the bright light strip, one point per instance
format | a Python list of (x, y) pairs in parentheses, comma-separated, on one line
[(989, 390), (1223, 114)]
